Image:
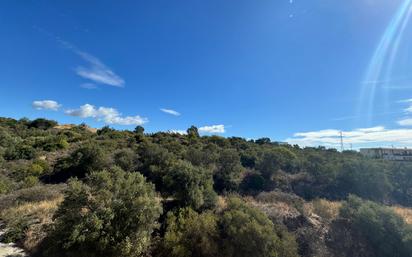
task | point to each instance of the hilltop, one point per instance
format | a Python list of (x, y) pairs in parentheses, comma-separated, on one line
[(69, 190)]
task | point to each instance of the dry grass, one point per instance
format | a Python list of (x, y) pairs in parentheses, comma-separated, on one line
[(405, 213), (326, 209), (70, 126), (34, 217)]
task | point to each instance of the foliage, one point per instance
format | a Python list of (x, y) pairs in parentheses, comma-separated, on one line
[(80, 163), (229, 169), (191, 186), (249, 232), (42, 124), (191, 234), (112, 214), (188, 172), (386, 232), (239, 230)]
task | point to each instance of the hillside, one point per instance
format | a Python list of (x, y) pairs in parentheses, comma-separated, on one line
[(67, 190)]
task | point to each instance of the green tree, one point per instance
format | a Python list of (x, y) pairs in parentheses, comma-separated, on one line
[(139, 130), (193, 132), (248, 232), (191, 186), (113, 214), (365, 178), (189, 233), (228, 171), (80, 163), (42, 124), (387, 233), (126, 159)]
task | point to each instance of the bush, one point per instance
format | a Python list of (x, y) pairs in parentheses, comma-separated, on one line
[(5, 185), (42, 124), (80, 163), (31, 195), (190, 234), (386, 232), (191, 186), (113, 214), (126, 159), (248, 232), (20, 151), (30, 181), (237, 231), (229, 169), (26, 223)]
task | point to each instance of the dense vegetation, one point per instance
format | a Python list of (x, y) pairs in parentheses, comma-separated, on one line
[(72, 191)]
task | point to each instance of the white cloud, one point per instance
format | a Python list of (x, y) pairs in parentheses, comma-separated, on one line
[(97, 71), (213, 129), (177, 131), (405, 101), (405, 122), (331, 137), (106, 114), (170, 111), (46, 105)]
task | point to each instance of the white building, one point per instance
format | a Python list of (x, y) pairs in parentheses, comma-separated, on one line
[(392, 154)]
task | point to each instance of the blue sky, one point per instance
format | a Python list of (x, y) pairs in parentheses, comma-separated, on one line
[(298, 71)]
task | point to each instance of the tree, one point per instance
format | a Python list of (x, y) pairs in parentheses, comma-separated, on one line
[(364, 178), (191, 186), (274, 159), (248, 232), (81, 162), (189, 233), (112, 214), (42, 124), (386, 233), (139, 130), (263, 141), (193, 132), (229, 169), (126, 159)]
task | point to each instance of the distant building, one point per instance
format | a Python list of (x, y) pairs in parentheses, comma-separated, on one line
[(392, 154)]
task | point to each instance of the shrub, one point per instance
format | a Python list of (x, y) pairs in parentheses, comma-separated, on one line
[(386, 232), (30, 181), (189, 234), (126, 159), (191, 186), (42, 124), (26, 222), (20, 151), (31, 195), (80, 163), (229, 169), (248, 232), (5, 185), (113, 214)]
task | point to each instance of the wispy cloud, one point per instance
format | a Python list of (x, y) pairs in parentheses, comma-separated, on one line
[(331, 137), (106, 114), (88, 86), (46, 105), (405, 122), (213, 129), (170, 111), (97, 71)]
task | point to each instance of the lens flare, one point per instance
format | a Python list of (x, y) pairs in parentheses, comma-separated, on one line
[(380, 68)]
